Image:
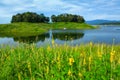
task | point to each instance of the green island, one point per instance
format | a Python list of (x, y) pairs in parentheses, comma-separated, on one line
[(29, 24), (30, 29)]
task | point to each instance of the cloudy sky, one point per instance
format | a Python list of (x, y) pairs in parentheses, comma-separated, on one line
[(89, 9)]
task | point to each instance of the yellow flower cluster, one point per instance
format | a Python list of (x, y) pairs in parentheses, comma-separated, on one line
[(80, 75), (53, 42), (99, 55), (119, 61), (112, 55), (47, 70), (48, 48), (91, 44), (90, 61), (69, 73), (71, 61), (58, 62), (84, 61)]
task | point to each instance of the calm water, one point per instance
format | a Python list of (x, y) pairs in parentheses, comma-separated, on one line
[(106, 34)]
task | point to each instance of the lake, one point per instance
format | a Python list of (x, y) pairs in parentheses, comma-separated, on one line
[(105, 34)]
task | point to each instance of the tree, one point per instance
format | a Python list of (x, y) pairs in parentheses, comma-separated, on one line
[(80, 19), (17, 18), (54, 18), (30, 17), (67, 18)]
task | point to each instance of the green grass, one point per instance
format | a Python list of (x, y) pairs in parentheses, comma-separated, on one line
[(85, 62), (22, 29), (31, 29), (71, 25)]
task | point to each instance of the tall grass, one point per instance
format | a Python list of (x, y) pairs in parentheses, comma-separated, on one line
[(85, 62)]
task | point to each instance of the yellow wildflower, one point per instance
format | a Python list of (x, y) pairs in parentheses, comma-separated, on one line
[(119, 61), (69, 73), (48, 48), (46, 62), (58, 58), (112, 55), (59, 64), (84, 62), (71, 61), (82, 54), (91, 44), (80, 75), (47, 70), (99, 55), (90, 60), (8, 57), (53, 42)]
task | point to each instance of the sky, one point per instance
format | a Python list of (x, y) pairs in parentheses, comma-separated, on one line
[(89, 9)]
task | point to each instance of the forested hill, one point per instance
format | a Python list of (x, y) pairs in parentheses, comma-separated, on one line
[(103, 22), (111, 23)]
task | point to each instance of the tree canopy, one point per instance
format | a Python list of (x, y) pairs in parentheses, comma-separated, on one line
[(37, 18), (30, 17), (67, 18)]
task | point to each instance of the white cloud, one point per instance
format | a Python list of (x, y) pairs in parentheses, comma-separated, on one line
[(56, 5), (102, 9)]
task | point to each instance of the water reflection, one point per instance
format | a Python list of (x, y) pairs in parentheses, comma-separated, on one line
[(31, 39), (104, 34), (65, 36)]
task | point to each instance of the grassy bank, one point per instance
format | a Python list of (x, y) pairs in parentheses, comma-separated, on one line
[(30, 29), (22, 29), (71, 25), (85, 62)]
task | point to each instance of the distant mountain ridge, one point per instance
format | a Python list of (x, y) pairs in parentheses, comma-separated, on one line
[(100, 22)]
